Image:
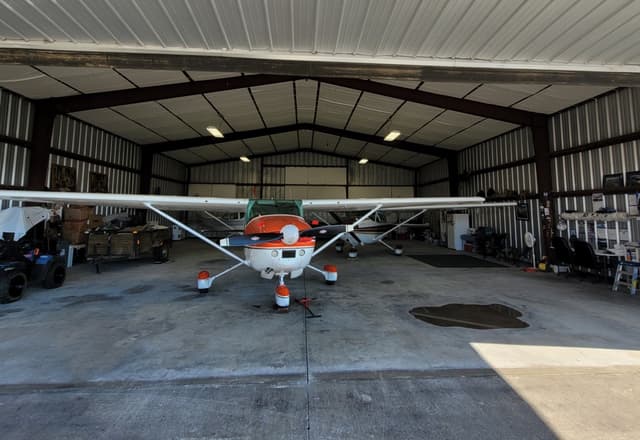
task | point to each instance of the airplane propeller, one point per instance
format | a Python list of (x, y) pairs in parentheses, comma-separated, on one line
[(287, 234)]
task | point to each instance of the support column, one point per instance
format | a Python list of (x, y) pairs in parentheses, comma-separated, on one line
[(454, 177), (146, 167), (543, 174), (40, 147)]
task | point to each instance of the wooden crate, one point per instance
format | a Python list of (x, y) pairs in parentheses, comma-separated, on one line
[(98, 245), (123, 244)]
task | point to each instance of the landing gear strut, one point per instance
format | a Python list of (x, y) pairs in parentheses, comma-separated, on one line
[(282, 295)]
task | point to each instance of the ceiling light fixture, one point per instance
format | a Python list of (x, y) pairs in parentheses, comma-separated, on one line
[(363, 161), (245, 159), (215, 132), (392, 136)]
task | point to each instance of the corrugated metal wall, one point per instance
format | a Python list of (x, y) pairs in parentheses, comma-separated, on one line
[(14, 161), (247, 176), (510, 147), (228, 172), (607, 116), (79, 140), (373, 175), (174, 184), (519, 179), (77, 137), (74, 136), (435, 170), (164, 166), (430, 180), (611, 115), (16, 114), (305, 158)]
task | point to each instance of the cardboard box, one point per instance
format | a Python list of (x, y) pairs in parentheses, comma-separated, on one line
[(74, 225), (94, 221), (77, 213), (74, 237)]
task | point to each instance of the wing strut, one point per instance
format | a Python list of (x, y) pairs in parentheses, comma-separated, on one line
[(349, 229), (219, 220), (195, 233), (385, 233)]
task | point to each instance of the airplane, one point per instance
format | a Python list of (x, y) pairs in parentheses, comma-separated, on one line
[(375, 228), (277, 241), (213, 225)]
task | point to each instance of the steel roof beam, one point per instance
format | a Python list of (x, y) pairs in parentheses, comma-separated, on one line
[(78, 55), (90, 101), (492, 111), (302, 150), (209, 140)]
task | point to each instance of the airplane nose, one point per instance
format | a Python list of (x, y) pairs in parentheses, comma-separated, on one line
[(290, 234)]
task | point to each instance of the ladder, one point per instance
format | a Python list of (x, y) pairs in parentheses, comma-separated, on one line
[(627, 274)]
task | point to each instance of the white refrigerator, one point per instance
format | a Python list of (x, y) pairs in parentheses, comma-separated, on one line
[(457, 224)]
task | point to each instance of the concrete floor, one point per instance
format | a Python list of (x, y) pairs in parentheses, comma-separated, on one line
[(135, 352)]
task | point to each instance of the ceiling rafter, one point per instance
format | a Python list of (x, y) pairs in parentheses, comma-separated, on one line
[(208, 140), (305, 150), (91, 101), (492, 111)]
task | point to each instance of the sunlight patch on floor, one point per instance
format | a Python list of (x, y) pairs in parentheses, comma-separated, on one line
[(579, 392)]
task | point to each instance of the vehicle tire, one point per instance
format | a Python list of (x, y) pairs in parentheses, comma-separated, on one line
[(15, 285), (56, 275), (161, 253)]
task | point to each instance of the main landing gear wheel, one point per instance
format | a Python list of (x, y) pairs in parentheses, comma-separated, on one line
[(353, 253), (398, 250), (330, 274), (203, 282)]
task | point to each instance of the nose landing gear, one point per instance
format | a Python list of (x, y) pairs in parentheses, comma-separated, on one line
[(282, 295)]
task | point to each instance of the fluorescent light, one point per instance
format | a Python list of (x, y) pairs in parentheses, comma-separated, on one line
[(363, 161), (392, 136), (245, 159), (215, 132)]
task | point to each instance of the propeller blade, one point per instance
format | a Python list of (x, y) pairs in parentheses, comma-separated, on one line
[(326, 230), (246, 240)]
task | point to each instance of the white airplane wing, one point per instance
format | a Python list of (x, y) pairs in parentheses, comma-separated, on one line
[(169, 203), (396, 204), (188, 203)]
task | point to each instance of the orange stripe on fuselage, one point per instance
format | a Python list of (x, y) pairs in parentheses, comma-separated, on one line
[(273, 223)]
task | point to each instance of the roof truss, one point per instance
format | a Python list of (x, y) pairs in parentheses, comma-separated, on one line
[(91, 101), (209, 140), (302, 150), (492, 111)]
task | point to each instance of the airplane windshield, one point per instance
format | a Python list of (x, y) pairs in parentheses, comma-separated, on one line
[(266, 207)]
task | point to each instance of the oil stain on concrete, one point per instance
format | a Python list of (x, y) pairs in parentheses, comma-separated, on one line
[(140, 288), (4, 312), (77, 300), (476, 316)]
